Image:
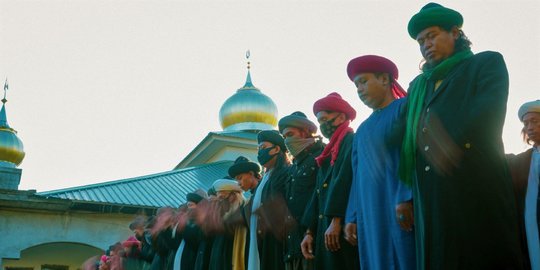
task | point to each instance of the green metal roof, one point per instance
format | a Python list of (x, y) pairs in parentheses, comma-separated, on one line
[(156, 190)]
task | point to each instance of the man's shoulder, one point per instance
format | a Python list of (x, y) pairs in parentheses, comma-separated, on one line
[(487, 56), (519, 157), (347, 141)]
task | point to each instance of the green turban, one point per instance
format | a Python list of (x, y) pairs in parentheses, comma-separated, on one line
[(434, 14)]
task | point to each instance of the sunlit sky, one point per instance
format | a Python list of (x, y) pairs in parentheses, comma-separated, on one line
[(106, 90)]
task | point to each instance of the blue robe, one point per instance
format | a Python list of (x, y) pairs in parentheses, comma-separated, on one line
[(376, 191)]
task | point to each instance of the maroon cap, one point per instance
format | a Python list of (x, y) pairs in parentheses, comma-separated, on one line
[(334, 103), (376, 64), (371, 64)]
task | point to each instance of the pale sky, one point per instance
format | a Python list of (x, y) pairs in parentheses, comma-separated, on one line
[(106, 90)]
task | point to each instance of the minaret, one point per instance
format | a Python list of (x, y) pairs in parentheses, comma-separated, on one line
[(11, 150)]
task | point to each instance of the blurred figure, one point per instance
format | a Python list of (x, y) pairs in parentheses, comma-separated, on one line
[(229, 246), (525, 170), (131, 254), (93, 263), (379, 212), (324, 241), (165, 239), (138, 226), (304, 146), (114, 254), (104, 263), (189, 231), (452, 153)]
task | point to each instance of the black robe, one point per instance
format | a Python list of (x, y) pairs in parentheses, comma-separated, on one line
[(221, 253), (298, 192), (520, 166), (192, 237), (271, 220), (165, 246), (202, 261), (147, 252), (465, 214), (330, 200)]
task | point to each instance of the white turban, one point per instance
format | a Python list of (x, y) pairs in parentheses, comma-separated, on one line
[(532, 106), (226, 185)]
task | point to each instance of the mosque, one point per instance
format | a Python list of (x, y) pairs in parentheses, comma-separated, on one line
[(40, 228)]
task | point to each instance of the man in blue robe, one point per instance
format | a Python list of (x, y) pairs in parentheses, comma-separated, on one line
[(379, 213)]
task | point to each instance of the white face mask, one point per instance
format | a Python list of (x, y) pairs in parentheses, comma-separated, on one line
[(297, 145)]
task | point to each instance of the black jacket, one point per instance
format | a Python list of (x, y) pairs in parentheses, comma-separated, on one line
[(298, 192)]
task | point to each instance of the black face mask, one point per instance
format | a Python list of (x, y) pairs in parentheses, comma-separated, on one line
[(264, 155), (328, 129)]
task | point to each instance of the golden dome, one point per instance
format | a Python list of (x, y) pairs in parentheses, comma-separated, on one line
[(248, 109), (11, 147)]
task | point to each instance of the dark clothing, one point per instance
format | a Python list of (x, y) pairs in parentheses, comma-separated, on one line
[(519, 166), (271, 221), (202, 261), (192, 236), (147, 251), (298, 192), (330, 200), (299, 264), (464, 209), (165, 246), (222, 250), (221, 253)]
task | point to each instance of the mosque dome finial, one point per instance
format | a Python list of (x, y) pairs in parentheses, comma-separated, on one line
[(11, 147), (248, 108)]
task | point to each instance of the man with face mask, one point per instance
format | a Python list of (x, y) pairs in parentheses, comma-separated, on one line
[(268, 210), (324, 218), (304, 146)]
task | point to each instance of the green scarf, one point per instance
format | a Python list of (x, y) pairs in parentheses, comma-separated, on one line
[(415, 101)]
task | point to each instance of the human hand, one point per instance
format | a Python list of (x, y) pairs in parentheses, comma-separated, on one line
[(405, 216), (307, 247), (350, 233), (331, 236)]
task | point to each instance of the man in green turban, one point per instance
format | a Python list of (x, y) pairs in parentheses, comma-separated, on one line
[(453, 154)]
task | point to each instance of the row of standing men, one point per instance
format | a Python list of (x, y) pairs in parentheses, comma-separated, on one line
[(422, 184)]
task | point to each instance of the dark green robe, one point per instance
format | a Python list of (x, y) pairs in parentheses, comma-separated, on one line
[(330, 200), (464, 207)]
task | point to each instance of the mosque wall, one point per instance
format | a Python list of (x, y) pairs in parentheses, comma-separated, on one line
[(22, 229)]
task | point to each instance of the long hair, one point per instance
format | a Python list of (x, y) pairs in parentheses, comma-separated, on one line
[(462, 43), (525, 137), (235, 200), (282, 160)]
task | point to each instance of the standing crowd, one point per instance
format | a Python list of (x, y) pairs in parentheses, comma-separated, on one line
[(423, 183)]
